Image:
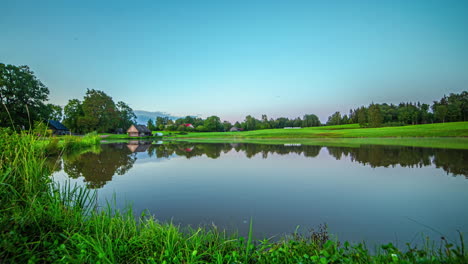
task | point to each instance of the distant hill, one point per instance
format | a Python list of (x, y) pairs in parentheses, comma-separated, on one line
[(144, 116)]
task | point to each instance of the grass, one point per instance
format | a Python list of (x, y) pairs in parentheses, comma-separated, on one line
[(41, 222), (455, 129), (448, 135), (68, 144)]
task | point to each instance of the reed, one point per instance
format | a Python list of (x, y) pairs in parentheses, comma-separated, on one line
[(42, 222)]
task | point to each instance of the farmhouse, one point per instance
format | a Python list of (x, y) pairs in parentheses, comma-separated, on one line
[(235, 129), (57, 127), (139, 131)]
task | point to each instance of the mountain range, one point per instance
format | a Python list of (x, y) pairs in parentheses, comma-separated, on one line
[(144, 116)]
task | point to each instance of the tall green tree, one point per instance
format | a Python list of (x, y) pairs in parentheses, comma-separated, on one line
[(362, 116), (150, 125), (72, 112), (310, 121), (440, 112), (100, 112), (334, 119), (161, 122), (250, 123), (213, 123), (227, 125), (52, 112), (126, 116), (264, 123), (22, 96), (375, 116)]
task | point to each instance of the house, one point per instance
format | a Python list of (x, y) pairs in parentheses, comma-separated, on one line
[(188, 125), (235, 129), (57, 127), (139, 131)]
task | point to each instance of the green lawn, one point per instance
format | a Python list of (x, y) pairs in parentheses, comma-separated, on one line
[(456, 129), (448, 135)]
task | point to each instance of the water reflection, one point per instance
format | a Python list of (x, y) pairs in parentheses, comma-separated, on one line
[(98, 168)]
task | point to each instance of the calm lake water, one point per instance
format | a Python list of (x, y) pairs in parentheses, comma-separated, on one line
[(374, 193)]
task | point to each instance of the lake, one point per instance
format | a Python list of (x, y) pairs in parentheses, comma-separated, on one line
[(371, 193)]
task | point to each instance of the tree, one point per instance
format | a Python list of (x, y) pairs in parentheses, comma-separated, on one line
[(310, 121), (126, 116), (440, 112), (297, 122), (161, 122), (181, 128), (264, 124), (213, 123), (425, 115), (52, 112), (22, 96), (151, 125), (227, 125), (100, 112), (250, 123), (375, 116), (189, 120), (464, 105), (72, 112), (200, 128), (334, 119), (362, 116)]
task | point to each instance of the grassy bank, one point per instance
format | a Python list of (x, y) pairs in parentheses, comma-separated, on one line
[(448, 135), (455, 129), (64, 144), (41, 222)]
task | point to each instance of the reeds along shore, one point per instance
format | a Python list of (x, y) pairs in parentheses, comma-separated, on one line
[(41, 222)]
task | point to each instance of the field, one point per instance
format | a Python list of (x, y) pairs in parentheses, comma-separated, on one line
[(455, 129), (448, 135)]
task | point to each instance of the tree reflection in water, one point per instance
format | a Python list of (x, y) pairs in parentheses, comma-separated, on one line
[(117, 159), (99, 168)]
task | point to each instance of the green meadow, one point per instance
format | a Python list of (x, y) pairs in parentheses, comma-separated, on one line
[(448, 135), (455, 129)]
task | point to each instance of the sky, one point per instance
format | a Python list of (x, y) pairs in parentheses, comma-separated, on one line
[(235, 58)]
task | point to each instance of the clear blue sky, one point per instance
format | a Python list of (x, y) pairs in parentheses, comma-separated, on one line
[(233, 58)]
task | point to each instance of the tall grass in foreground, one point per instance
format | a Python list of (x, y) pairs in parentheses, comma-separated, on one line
[(43, 222)]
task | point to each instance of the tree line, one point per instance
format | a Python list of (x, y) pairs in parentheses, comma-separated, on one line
[(452, 108), (214, 123), (98, 112), (23, 97)]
